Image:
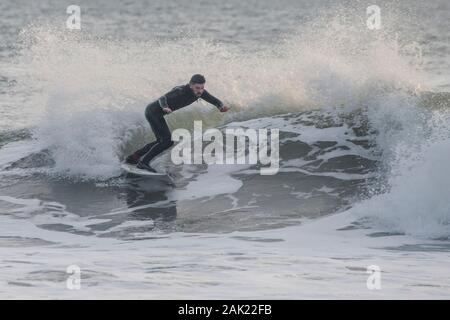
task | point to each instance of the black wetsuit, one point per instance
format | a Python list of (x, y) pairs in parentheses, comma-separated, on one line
[(177, 98)]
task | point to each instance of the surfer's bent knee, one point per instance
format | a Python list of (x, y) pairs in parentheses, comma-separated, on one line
[(166, 142)]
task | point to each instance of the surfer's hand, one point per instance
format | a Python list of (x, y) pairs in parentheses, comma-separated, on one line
[(224, 109), (167, 110)]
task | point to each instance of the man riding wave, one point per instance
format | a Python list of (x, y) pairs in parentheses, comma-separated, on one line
[(177, 98)]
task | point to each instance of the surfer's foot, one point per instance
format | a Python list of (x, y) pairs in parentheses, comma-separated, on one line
[(132, 159), (143, 166)]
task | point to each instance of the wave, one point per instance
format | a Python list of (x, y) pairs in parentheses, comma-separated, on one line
[(91, 92), (95, 90), (415, 199)]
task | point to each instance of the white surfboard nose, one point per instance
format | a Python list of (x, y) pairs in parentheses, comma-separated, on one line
[(132, 169)]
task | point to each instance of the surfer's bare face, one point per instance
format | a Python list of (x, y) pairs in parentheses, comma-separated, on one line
[(197, 88)]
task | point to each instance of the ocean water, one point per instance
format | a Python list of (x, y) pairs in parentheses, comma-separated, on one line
[(364, 124)]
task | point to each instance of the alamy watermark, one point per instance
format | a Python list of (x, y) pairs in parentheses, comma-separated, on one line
[(374, 280), (73, 282), (231, 149), (374, 17), (73, 22)]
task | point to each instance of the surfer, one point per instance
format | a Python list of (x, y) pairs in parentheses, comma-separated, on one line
[(177, 98)]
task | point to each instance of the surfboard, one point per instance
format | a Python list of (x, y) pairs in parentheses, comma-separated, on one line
[(140, 172)]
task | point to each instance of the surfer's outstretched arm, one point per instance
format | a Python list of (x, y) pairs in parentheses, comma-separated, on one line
[(208, 97)]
